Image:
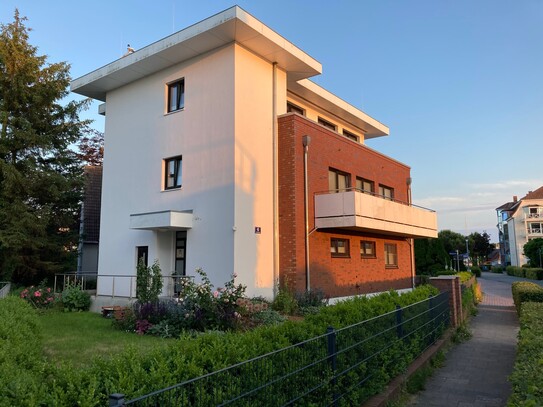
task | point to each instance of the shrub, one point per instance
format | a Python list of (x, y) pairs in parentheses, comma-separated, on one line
[(534, 273), (464, 276), (148, 282), (312, 298), (476, 271), (40, 296), (75, 299), (497, 269), (516, 271), (285, 302), (525, 291), (528, 370)]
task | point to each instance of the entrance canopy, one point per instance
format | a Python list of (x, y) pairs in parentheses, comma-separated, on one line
[(162, 221)]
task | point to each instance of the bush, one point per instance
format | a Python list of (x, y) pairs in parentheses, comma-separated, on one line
[(528, 370), (476, 271), (516, 271), (40, 296), (148, 282), (525, 291), (312, 298), (75, 299), (497, 269), (285, 302), (534, 273)]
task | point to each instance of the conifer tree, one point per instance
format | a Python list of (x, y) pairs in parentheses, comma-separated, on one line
[(40, 176)]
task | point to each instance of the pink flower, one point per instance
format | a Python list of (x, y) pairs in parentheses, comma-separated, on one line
[(216, 294), (48, 290), (37, 294), (50, 299)]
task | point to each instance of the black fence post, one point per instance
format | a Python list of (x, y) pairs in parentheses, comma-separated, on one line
[(332, 355), (399, 324), (116, 400), (432, 318)]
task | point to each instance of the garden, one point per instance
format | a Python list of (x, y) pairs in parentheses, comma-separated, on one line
[(55, 353)]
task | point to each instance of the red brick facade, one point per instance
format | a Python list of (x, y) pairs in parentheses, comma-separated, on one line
[(335, 276)]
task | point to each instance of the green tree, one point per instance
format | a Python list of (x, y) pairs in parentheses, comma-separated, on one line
[(479, 246), (534, 251), (430, 256), (40, 176), (452, 241)]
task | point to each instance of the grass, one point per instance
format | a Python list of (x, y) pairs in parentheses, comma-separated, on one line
[(76, 338)]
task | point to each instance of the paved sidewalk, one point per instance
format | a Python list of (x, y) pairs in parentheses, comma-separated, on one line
[(475, 372)]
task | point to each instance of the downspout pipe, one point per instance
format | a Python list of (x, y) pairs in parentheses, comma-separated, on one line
[(306, 140), (275, 187), (408, 181)]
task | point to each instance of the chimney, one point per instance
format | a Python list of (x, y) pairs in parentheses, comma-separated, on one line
[(515, 198)]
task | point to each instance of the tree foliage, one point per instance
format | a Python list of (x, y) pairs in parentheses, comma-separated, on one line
[(430, 256), (452, 241), (479, 246), (91, 148), (40, 176), (533, 249), (148, 282)]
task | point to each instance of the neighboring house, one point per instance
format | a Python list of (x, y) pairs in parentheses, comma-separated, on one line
[(89, 229), (221, 154), (518, 222)]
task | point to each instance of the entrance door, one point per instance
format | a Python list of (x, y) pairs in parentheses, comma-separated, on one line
[(180, 252)]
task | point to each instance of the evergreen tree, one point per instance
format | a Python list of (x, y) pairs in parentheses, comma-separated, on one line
[(40, 176), (534, 251)]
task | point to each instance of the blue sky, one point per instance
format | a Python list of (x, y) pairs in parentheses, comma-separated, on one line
[(459, 83)]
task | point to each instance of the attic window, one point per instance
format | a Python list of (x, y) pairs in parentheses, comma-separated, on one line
[(327, 124), (176, 95), (292, 108)]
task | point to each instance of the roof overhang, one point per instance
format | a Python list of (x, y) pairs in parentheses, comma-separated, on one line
[(319, 96), (162, 221), (231, 25)]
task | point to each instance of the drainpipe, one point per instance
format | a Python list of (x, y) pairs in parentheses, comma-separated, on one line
[(306, 140), (275, 182), (408, 181)]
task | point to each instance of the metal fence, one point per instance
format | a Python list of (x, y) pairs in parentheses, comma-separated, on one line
[(5, 287), (341, 367)]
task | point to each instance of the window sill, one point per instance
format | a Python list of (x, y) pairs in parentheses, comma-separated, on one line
[(174, 111), (172, 189), (340, 257), (391, 267)]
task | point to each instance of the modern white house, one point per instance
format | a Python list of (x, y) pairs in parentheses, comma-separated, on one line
[(195, 173), (520, 221)]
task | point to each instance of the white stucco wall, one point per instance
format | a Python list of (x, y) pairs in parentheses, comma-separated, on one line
[(138, 136), (254, 117)]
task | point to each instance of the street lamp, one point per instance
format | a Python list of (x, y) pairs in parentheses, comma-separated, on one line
[(457, 261), (467, 254)]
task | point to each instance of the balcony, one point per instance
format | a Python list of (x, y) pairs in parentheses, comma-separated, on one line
[(364, 212)]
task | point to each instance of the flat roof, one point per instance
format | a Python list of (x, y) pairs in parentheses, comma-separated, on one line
[(231, 25), (319, 96)]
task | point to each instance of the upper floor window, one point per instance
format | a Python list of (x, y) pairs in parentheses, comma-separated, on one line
[(367, 249), (338, 181), (364, 185), (386, 192), (172, 172), (292, 108), (327, 124), (339, 247), (391, 255), (350, 135), (176, 95)]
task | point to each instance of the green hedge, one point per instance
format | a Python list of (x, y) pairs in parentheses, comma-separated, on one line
[(134, 374), (534, 273), (527, 377), (516, 271), (526, 291), (497, 269)]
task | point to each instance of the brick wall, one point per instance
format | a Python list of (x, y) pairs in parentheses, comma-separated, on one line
[(335, 276)]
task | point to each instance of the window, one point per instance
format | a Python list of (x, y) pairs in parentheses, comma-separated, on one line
[(176, 95), (327, 124), (339, 247), (364, 185), (391, 255), (338, 181), (350, 135), (386, 192), (535, 227), (367, 249), (172, 173), (292, 108)]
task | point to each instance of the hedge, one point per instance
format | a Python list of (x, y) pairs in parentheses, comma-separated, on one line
[(534, 273), (191, 356), (527, 377), (526, 291), (516, 271)]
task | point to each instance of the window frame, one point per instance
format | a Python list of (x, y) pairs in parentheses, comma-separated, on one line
[(178, 172), (393, 253), (293, 108), (328, 124), (351, 136), (363, 253), (337, 173), (334, 246), (179, 85), (371, 191), (382, 188)]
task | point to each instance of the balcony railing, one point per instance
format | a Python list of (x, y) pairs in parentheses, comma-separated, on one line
[(354, 209), (115, 285)]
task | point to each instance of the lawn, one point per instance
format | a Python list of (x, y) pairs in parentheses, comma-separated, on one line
[(76, 337)]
